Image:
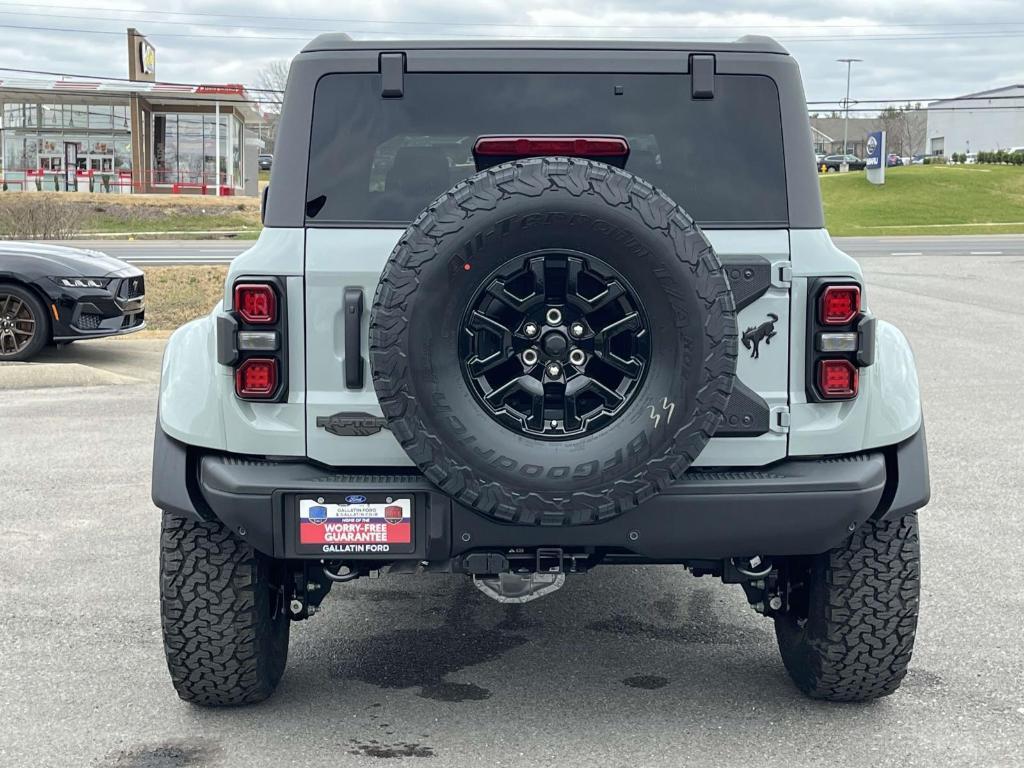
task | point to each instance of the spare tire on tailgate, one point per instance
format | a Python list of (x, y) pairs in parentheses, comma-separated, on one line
[(553, 341)]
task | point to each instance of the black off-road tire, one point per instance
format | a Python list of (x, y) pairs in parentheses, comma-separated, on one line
[(41, 336), (489, 221), (855, 636), (225, 626)]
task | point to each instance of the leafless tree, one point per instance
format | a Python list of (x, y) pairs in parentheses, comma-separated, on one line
[(271, 81), (905, 128)]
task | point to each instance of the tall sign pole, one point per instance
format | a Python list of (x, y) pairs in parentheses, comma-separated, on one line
[(846, 121)]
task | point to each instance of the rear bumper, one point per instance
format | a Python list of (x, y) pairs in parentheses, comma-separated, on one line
[(792, 507)]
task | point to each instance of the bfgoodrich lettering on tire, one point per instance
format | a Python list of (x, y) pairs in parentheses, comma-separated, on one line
[(553, 341)]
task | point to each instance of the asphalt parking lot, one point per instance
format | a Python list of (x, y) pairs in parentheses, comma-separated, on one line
[(623, 667)]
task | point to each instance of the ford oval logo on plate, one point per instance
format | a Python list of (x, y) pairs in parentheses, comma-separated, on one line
[(356, 499)]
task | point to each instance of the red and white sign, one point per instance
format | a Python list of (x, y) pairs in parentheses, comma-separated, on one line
[(362, 523)]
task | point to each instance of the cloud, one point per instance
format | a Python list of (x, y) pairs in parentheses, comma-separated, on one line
[(911, 50)]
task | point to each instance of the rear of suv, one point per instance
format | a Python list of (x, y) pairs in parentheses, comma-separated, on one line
[(523, 309)]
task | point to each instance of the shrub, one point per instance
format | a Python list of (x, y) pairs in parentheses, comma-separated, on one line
[(38, 217)]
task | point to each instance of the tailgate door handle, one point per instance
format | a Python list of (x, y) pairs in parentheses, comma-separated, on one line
[(353, 338)]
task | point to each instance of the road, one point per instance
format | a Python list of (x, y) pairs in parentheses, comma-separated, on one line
[(156, 252), (623, 667)]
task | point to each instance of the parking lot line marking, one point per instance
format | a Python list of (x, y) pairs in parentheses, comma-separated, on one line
[(906, 253), (986, 253)]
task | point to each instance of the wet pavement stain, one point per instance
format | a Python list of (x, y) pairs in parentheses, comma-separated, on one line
[(168, 754), (646, 682), (438, 652), (701, 626), (922, 678), (390, 751), (454, 692), (515, 619)]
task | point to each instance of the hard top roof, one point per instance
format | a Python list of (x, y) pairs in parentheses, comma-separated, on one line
[(339, 41)]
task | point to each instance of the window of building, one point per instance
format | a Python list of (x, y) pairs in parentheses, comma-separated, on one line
[(185, 149)]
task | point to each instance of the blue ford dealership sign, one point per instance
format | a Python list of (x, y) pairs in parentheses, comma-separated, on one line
[(875, 158), (875, 147)]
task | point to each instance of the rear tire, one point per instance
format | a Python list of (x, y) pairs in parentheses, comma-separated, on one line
[(850, 631), (224, 621)]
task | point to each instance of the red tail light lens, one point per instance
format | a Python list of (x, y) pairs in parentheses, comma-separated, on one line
[(837, 379), (840, 304), (256, 303), (536, 146), (256, 378)]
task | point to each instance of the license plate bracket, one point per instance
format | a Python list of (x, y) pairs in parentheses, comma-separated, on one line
[(346, 525)]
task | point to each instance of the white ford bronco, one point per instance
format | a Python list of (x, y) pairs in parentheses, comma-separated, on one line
[(523, 309)]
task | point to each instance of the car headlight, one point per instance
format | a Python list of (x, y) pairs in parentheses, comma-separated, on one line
[(82, 282)]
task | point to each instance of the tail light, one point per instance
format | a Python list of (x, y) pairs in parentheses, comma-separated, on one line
[(493, 150), (253, 339), (257, 378), (840, 304), (837, 379), (256, 303), (840, 340)]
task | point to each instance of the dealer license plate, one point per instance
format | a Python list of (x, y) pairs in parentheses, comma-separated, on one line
[(356, 525)]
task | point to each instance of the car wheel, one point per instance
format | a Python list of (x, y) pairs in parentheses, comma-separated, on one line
[(849, 632), (24, 324), (553, 341), (225, 625)]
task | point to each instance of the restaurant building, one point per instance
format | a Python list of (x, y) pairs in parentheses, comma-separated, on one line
[(124, 136)]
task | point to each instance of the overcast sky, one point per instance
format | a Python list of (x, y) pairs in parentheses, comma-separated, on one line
[(931, 49)]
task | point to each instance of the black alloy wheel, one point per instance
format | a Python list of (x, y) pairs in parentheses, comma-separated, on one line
[(555, 345), (23, 323)]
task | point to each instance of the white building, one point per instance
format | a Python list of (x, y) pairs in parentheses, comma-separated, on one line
[(977, 122)]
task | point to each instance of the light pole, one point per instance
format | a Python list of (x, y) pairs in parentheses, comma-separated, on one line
[(846, 120)]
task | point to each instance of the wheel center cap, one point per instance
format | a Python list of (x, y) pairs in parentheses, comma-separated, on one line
[(555, 345)]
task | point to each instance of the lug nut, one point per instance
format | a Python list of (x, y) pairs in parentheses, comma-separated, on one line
[(577, 357), (296, 606), (530, 329), (775, 602), (577, 329), (530, 356), (553, 316), (554, 370)]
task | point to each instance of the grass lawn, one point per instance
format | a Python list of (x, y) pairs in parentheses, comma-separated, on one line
[(175, 295), (927, 200), (86, 214)]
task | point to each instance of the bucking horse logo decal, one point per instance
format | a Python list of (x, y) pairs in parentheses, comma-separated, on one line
[(752, 337)]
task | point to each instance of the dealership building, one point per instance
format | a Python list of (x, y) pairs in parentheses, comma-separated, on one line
[(978, 122), (124, 136)]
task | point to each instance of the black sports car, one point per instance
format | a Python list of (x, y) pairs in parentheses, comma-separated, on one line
[(51, 293)]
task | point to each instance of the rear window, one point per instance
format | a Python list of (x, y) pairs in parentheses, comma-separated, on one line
[(378, 162)]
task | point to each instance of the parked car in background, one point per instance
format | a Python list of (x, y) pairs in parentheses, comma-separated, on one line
[(893, 160), (50, 293), (907, 159), (265, 161), (818, 157), (832, 162), (971, 158), (917, 160)]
